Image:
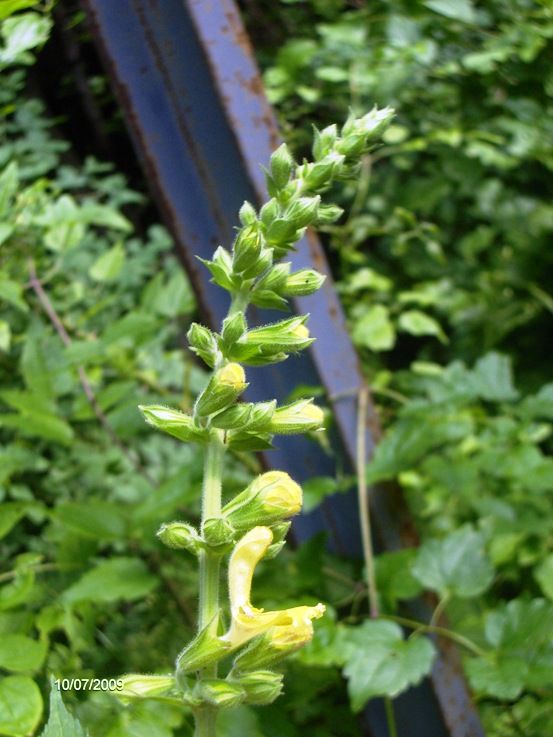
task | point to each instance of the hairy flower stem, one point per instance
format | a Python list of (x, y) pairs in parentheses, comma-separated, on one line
[(206, 717)]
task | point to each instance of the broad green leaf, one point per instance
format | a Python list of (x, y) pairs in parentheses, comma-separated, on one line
[(20, 706), (456, 565), (374, 329), (417, 323), (462, 10), (8, 7), (5, 336), (493, 378), (60, 722), (501, 679), (41, 425), (109, 264), (379, 662), (96, 519), (10, 514), (316, 489), (21, 34), (104, 216), (9, 181), (393, 576), (112, 580), (21, 653), (544, 576), (11, 292)]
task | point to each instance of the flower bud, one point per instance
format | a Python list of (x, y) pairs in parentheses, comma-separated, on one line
[(171, 421), (204, 649), (298, 417), (245, 416), (218, 533), (260, 687), (269, 212), (328, 214), (219, 693), (281, 164), (224, 387), (275, 278), (247, 214), (373, 124), (317, 176), (221, 268), (263, 263), (302, 283), (303, 211), (287, 335), (247, 247), (204, 343), (180, 535), (138, 686), (234, 327), (282, 232), (270, 498), (324, 142)]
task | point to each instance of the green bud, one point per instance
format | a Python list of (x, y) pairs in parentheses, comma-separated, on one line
[(224, 387), (138, 686), (234, 327), (352, 145), (268, 300), (329, 214), (269, 499), (247, 214), (261, 415), (282, 232), (319, 175), (219, 693), (303, 211), (302, 283), (235, 416), (206, 648), (269, 212), (221, 268), (287, 335), (373, 124), (180, 535), (247, 247), (204, 343), (264, 262), (324, 141), (275, 278), (261, 687), (218, 533), (281, 164), (244, 441), (298, 417), (173, 422)]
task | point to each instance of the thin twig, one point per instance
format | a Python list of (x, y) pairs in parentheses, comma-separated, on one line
[(48, 308), (363, 501)]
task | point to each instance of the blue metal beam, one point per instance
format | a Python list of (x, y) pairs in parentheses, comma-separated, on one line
[(191, 93)]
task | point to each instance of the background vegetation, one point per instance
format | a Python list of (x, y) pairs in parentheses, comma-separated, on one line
[(444, 267)]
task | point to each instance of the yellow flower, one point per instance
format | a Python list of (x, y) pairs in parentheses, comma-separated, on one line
[(247, 621)]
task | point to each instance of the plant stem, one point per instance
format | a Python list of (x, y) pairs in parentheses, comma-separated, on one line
[(364, 508), (390, 717), (206, 722)]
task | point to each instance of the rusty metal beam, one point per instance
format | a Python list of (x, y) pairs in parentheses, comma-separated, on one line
[(188, 85)]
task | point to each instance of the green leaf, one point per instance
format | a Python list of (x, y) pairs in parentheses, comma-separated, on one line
[(112, 580), (21, 653), (60, 722), (374, 329), (544, 576), (379, 662), (10, 514), (11, 292), (416, 322), (457, 564), (104, 216), (20, 706), (22, 33), (40, 424), (96, 519), (109, 264), (5, 336), (493, 378), (462, 10), (9, 7)]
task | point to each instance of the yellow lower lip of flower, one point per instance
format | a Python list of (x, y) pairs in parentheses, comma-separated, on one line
[(249, 622)]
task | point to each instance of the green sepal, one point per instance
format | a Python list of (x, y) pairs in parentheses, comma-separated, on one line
[(174, 422), (140, 686), (260, 687), (204, 649), (247, 247), (249, 441), (281, 164), (269, 300), (324, 141), (220, 693), (204, 343), (221, 269), (282, 231), (233, 327), (247, 214), (245, 416), (269, 212), (302, 283), (275, 278), (263, 263), (224, 387), (303, 211), (180, 535), (218, 534)]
